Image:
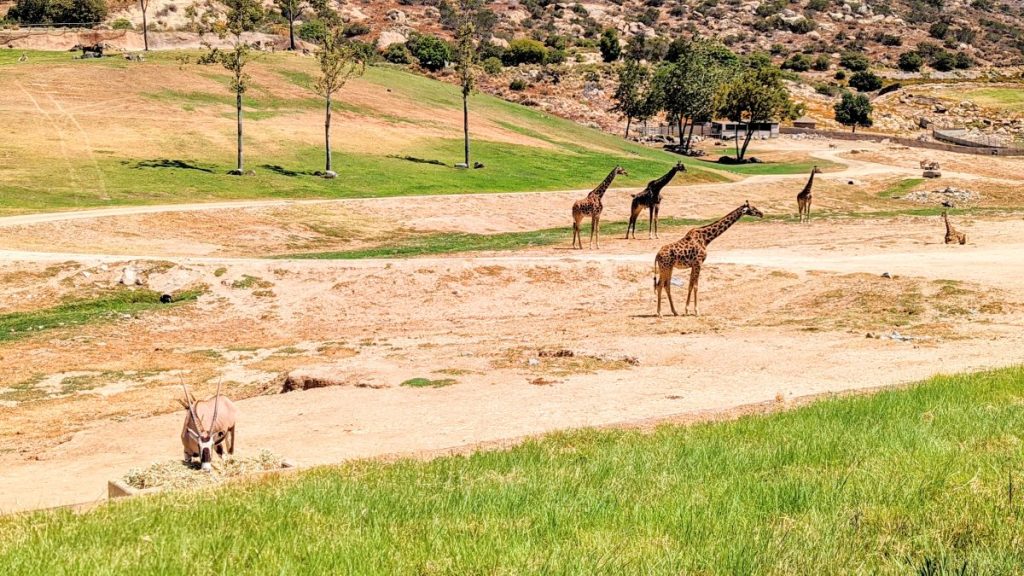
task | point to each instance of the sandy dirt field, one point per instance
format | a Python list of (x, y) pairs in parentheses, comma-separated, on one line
[(535, 340)]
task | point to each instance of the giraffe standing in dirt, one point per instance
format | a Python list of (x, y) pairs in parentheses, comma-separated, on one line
[(690, 252), (650, 198), (803, 199), (952, 236), (592, 206)]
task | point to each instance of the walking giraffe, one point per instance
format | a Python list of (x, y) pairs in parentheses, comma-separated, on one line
[(803, 199), (592, 206), (650, 198)]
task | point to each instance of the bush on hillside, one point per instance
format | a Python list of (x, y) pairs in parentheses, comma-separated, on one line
[(397, 54), (911, 61), (313, 31), (432, 52), (58, 12), (865, 81), (492, 66), (525, 51), (854, 61)]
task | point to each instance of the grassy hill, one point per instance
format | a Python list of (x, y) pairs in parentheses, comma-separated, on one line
[(919, 481), (87, 133)]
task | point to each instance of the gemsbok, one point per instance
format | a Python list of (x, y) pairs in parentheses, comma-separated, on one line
[(200, 438)]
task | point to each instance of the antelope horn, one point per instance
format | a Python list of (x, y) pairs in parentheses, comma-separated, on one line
[(191, 405), (216, 405)]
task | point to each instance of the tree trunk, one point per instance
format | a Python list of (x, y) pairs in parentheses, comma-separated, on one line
[(679, 125), (465, 124), (854, 128), (145, 29), (689, 137), (746, 141), (238, 109), (629, 121), (736, 139), (682, 130), (327, 135), (291, 30)]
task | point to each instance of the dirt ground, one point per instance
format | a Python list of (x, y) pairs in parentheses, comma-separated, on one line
[(534, 340)]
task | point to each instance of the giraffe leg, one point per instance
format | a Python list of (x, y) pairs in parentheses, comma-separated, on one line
[(650, 222), (694, 280), (633, 214), (668, 291), (576, 234), (597, 231), (657, 208)]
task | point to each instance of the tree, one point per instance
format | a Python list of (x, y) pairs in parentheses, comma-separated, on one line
[(58, 13), (633, 97), (338, 62), (143, 6), (466, 62), (291, 10), (688, 87), (865, 81), (524, 51), (854, 61), (432, 52), (910, 61), (609, 45), (756, 95), (854, 110), (241, 16)]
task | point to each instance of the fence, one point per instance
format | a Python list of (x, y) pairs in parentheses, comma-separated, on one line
[(912, 142)]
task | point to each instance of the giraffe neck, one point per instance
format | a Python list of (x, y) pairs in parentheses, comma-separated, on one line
[(655, 186), (603, 186), (949, 227), (715, 229), (810, 183)]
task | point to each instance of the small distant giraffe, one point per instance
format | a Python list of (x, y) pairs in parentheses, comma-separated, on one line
[(803, 199), (650, 198), (952, 236), (690, 252), (23, 57), (592, 206)]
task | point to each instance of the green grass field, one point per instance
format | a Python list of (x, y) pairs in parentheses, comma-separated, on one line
[(765, 168), (900, 188), (71, 313), (1011, 99), (919, 481)]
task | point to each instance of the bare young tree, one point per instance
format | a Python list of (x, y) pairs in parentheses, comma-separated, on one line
[(465, 58), (338, 63), (291, 10), (144, 5), (241, 16)]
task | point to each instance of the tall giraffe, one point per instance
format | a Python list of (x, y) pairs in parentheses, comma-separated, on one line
[(803, 199), (650, 198), (690, 252), (592, 206), (952, 236)]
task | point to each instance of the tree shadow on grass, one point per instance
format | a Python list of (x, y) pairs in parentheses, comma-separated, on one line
[(282, 171), (168, 163)]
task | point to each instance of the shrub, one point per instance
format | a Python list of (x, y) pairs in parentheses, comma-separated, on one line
[(854, 61), (821, 63), (313, 31), (802, 26), (797, 63), (525, 51), (398, 54), (432, 52), (609, 45), (840, 75), (910, 61), (356, 29), (865, 81), (517, 85), (121, 24), (938, 30), (944, 61), (818, 5), (963, 61), (61, 12), (492, 66)]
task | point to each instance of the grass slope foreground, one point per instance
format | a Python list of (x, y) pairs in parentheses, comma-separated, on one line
[(925, 480), (105, 132)]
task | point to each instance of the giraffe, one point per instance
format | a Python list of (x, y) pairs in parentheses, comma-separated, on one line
[(690, 252), (591, 205), (803, 199), (952, 236), (650, 198)]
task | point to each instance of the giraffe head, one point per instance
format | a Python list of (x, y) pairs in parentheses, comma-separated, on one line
[(748, 210), (816, 170), (620, 171), (680, 167)]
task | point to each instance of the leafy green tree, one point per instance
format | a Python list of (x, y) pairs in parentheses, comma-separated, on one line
[(609, 45), (239, 17), (633, 96), (854, 110), (525, 51), (944, 61), (58, 12), (821, 63), (756, 95), (291, 10), (688, 87), (865, 81), (432, 52), (854, 61), (338, 61), (910, 61)]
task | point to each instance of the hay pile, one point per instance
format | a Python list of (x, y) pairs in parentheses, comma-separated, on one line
[(177, 474)]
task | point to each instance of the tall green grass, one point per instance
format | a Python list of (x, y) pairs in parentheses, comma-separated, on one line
[(920, 481)]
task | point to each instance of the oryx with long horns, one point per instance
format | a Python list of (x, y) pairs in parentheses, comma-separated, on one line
[(209, 425)]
